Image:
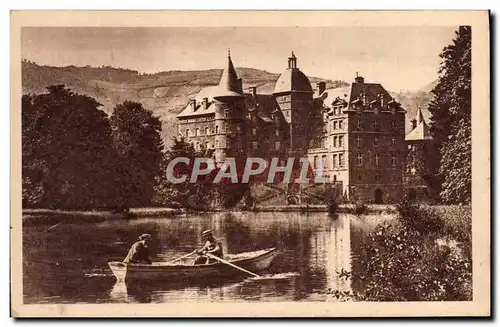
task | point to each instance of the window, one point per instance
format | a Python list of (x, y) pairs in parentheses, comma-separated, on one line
[(341, 141), (226, 113), (359, 178), (254, 131), (324, 162), (358, 125), (394, 179), (334, 161), (207, 145), (377, 159), (187, 132), (393, 124), (255, 145), (335, 125), (239, 144), (238, 129), (197, 146), (197, 132), (277, 145), (377, 179), (375, 125), (359, 159), (394, 160), (358, 141), (206, 131), (340, 124), (277, 132), (341, 160), (216, 129), (375, 141), (334, 141), (225, 127), (315, 162), (393, 142)]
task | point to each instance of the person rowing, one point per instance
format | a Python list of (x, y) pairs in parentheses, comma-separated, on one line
[(212, 246), (140, 253)]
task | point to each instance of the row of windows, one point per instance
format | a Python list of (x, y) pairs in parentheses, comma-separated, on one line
[(197, 132), (376, 141), (374, 125), (337, 161), (277, 145), (376, 179), (336, 125), (376, 159)]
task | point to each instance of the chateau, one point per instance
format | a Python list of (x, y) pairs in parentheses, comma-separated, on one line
[(357, 133)]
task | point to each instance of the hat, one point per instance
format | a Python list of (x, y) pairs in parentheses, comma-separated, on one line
[(206, 233), (145, 237)]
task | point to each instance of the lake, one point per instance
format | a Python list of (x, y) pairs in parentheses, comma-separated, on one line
[(67, 263)]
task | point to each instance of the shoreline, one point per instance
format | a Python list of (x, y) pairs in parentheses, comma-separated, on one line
[(48, 216)]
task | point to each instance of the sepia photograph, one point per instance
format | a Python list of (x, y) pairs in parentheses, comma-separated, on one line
[(228, 163)]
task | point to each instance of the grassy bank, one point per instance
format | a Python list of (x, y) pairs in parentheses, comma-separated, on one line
[(54, 216)]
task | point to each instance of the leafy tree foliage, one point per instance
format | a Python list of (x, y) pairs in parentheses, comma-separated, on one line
[(203, 194), (451, 118), (139, 148), (66, 148)]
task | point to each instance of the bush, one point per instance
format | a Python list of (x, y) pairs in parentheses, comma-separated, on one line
[(420, 218), (360, 208)]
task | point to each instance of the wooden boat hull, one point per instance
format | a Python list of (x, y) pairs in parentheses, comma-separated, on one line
[(252, 261)]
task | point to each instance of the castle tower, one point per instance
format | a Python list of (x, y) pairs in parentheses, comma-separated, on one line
[(294, 96), (421, 161), (230, 111)]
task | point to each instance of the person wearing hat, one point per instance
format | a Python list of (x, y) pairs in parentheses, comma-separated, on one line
[(139, 252), (212, 246)]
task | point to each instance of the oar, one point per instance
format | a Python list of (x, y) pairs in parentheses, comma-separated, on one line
[(184, 256), (230, 264)]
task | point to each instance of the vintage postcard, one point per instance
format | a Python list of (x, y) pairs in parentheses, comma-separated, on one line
[(250, 164)]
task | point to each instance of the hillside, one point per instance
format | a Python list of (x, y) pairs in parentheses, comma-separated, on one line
[(165, 93)]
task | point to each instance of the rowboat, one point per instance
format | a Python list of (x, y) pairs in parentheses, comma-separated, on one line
[(252, 261)]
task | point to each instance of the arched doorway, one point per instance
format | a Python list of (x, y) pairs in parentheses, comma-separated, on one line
[(379, 196), (412, 194)]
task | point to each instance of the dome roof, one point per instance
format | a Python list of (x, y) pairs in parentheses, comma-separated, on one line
[(293, 79)]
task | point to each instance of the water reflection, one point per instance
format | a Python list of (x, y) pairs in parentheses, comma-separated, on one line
[(69, 263)]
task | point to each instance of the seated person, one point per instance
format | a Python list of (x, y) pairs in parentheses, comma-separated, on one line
[(212, 246), (139, 252)]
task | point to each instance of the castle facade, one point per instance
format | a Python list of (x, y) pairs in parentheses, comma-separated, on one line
[(357, 133)]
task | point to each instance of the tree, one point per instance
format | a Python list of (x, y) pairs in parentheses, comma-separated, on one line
[(451, 118), (139, 148), (66, 150)]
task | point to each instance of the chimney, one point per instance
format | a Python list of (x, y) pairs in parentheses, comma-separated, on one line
[(359, 79), (205, 103), (192, 103), (381, 101), (413, 124), (321, 87), (254, 91)]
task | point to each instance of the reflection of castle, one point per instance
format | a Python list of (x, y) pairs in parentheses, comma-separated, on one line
[(357, 133)]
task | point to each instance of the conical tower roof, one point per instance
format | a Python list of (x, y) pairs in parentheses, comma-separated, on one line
[(229, 85)]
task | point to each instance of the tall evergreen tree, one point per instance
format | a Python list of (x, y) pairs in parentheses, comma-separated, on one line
[(139, 147), (451, 118)]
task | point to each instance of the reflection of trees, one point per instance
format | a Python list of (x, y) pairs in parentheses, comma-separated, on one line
[(238, 234)]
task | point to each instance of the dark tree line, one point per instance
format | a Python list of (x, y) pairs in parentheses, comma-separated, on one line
[(75, 157), (451, 118)]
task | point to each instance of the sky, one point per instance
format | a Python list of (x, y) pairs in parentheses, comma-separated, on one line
[(400, 58)]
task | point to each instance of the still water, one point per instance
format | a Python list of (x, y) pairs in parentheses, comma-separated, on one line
[(67, 263)]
